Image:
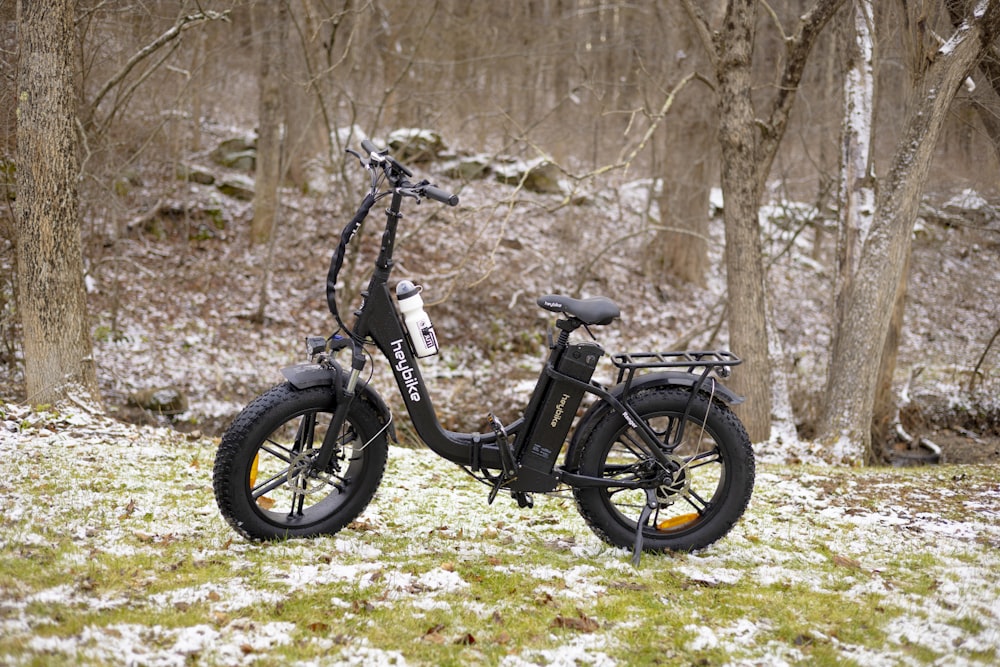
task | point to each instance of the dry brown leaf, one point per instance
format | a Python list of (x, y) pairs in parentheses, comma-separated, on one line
[(844, 561), (581, 623)]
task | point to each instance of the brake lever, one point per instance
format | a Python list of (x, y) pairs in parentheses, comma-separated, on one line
[(356, 154)]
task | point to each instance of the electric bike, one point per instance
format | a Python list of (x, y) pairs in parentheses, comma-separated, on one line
[(658, 461)]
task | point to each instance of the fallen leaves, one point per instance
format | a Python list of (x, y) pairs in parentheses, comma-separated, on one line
[(580, 623), (129, 510), (844, 561)]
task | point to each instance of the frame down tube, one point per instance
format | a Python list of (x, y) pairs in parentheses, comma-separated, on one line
[(380, 322)]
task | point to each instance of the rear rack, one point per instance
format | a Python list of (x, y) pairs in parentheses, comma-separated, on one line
[(709, 360)]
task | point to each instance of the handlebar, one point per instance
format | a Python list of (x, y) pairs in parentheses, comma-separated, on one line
[(437, 194), (381, 157)]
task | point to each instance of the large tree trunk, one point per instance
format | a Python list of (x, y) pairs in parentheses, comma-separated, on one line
[(52, 303), (680, 248), (749, 145), (857, 183), (856, 191), (855, 368), (740, 179)]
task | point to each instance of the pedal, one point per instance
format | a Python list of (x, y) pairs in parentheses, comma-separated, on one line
[(523, 499), (494, 491)]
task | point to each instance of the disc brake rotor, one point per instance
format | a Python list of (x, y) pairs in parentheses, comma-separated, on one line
[(677, 486), (301, 472)]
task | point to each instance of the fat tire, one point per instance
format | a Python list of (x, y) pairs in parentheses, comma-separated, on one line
[(258, 424), (710, 421)]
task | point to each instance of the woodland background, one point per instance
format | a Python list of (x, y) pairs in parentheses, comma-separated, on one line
[(610, 95)]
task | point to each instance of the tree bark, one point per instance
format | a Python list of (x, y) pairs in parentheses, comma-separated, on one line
[(58, 359), (680, 248), (273, 29), (857, 184), (740, 179), (749, 145), (851, 396)]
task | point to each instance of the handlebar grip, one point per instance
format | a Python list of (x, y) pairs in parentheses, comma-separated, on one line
[(437, 194), (369, 147)]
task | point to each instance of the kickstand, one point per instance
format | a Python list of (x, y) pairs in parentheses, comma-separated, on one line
[(651, 504)]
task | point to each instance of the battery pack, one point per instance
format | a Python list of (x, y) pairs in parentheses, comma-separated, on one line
[(540, 447)]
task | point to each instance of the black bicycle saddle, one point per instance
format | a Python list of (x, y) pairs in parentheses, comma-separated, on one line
[(595, 310)]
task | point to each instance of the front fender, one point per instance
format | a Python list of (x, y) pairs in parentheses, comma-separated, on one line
[(303, 376), (661, 378)]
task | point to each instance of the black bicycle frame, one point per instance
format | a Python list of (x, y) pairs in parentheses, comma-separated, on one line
[(378, 321)]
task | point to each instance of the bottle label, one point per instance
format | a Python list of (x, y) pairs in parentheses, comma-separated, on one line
[(430, 340)]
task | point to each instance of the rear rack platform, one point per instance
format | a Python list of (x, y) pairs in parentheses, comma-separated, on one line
[(707, 360)]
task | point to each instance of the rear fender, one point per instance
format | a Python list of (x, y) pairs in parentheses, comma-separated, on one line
[(304, 376), (599, 409)]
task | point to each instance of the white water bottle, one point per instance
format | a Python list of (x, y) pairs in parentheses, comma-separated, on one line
[(418, 324)]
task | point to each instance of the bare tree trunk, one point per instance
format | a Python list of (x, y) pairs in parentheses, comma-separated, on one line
[(273, 28), (846, 425), (749, 145), (740, 179), (58, 360), (681, 247), (857, 184), (884, 407)]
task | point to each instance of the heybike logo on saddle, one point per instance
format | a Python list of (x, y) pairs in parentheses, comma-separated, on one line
[(403, 367)]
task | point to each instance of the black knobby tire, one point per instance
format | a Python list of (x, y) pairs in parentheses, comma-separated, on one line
[(262, 478), (701, 502)]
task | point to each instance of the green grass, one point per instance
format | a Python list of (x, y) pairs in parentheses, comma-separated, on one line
[(112, 550)]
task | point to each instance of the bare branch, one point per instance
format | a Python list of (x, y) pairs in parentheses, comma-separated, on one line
[(173, 33), (777, 24), (799, 46), (704, 32)]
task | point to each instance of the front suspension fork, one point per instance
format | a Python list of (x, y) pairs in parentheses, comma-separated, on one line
[(345, 396)]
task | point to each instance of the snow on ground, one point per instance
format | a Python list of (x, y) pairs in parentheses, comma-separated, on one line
[(920, 549)]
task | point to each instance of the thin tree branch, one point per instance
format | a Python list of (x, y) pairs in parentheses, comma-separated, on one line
[(704, 31), (173, 33)]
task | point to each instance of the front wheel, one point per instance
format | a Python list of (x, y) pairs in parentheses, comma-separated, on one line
[(694, 501), (265, 482)]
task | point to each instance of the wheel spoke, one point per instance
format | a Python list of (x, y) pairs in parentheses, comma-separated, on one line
[(306, 434), (635, 445), (271, 484), (697, 502), (278, 451), (712, 457)]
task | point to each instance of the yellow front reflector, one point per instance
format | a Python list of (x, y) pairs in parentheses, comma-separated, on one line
[(253, 470), (676, 522), (263, 502)]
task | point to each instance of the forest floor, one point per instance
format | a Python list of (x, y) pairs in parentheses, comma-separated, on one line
[(112, 550), (177, 294)]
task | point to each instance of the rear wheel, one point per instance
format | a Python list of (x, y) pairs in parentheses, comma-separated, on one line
[(265, 482), (694, 501)]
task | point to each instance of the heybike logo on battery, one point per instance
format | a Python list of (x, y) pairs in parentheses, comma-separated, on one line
[(558, 414), (405, 371)]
